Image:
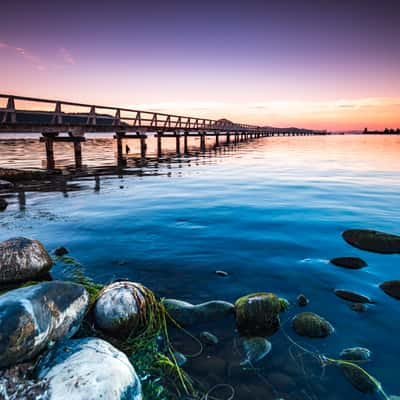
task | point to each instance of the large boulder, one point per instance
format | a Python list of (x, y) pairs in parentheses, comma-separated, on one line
[(22, 259), (120, 308), (89, 369), (311, 325), (378, 242), (187, 314), (34, 316), (258, 314)]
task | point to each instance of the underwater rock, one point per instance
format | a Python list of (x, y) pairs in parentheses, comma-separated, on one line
[(349, 262), (391, 288), (89, 369), (375, 241), (3, 204), (355, 354), (120, 308), (33, 316), (255, 349), (358, 307), (209, 338), (22, 259), (5, 184), (302, 300), (359, 378), (311, 325), (222, 273), (61, 251), (281, 382), (180, 358), (187, 314), (352, 296), (258, 314)]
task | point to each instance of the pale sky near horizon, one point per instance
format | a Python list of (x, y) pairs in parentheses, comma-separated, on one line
[(315, 64)]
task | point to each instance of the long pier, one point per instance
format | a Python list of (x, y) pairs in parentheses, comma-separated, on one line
[(65, 121)]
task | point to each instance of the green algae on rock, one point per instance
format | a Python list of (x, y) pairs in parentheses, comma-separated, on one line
[(311, 325), (349, 262), (258, 313), (391, 288), (359, 378), (374, 241)]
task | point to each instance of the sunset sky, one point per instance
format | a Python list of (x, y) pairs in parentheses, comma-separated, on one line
[(317, 64)]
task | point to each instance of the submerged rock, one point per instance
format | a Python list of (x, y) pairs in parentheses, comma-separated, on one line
[(258, 314), (349, 262), (222, 273), (391, 288), (356, 354), (187, 314), (375, 241), (359, 378), (180, 358), (358, 307), (89, 369), (209, 338), (255, 349), (302, 300), (22, 259), (3, 204), (32, 317), (311, 325), (352, 296), (5, 184), (61, 251), (120, 308)]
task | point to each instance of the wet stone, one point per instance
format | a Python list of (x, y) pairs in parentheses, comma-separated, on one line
[(89, 369), (352, 296), (359, 378), (374, 241), (255, 349), (355, 354), (222, 273), (209, 338), (358, 307), (391, 288), (311, 325), (349, 262), (23, 259), (61, 251), (302, 300), (180, 358)]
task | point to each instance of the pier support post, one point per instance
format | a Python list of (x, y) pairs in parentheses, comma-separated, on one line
[(143, 147), (178, 143), (202, 142), (159, 144), (78, 153), (228, 138), (48, 138), (185, 142), (217, 139), (120, 158)]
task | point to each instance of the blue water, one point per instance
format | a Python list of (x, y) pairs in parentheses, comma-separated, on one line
[(270, 213)]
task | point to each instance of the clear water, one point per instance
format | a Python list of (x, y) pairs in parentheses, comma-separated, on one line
[(270, 212)]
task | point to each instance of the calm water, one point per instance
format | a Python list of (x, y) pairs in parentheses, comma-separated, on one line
[(270, 212)]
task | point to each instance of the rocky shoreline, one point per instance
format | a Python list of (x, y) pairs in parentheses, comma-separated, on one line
[(80, 340)]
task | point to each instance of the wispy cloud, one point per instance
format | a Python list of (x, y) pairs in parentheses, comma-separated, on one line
[(25, 54), (66, 56)]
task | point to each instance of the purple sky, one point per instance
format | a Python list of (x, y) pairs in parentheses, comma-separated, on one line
[(319, 64)]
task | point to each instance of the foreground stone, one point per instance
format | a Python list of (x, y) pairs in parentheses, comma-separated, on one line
[(356, 354), (187, 314), (349, 262), (89, 369), (258, 314), (120, 307), (391, 288), (32, 317), (255, 349), (311, 325), (359, 378), (352, 296), (22, 259), (375, 241)]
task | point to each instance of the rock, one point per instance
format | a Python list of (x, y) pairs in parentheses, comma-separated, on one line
[(5, 184), (3, 204), (258, 314), (311, 325), (209, 338), (22, 259), (391, 288), (359, 378), (349, 262), (302, 300), (356, 354), (186, 314), (89, 369), (120, 307), (222, 273), (358, 307), (375, 241), (180, 358), (255, 349), (352, 296), (33, 316), (61, 251)]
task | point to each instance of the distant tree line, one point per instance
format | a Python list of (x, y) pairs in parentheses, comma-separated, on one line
[(386, 131)]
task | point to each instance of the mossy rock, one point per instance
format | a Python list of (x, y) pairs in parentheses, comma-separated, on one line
[(359, 378), (349, 262), (311, 325), (375, 241), (391, 288), (258, 314)]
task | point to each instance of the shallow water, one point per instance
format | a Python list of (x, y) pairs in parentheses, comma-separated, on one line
[(270, 212)]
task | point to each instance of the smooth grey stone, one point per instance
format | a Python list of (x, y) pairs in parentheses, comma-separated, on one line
[(356, 354), (89, 369), (180, 358), (352, 296), (255, 349), (209, 338), (23, 259), (34, 316)]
